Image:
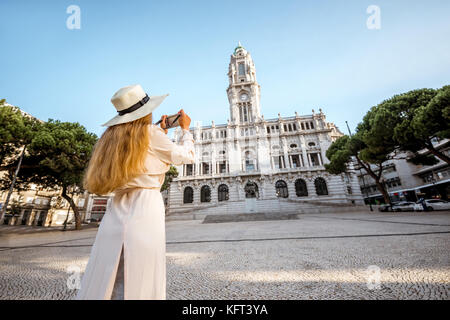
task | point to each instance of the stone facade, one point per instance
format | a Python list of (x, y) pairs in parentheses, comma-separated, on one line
[(253, 164), (38, 207)]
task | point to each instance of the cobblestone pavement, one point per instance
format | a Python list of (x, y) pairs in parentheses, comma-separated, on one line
[(318, 256)]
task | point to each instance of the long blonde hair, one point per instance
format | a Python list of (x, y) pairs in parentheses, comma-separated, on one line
[(118, 156)]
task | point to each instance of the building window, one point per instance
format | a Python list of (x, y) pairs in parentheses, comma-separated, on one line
[(205, 168), (222, 167), (205, 194), (295, 158), (249, 165), (223, 192), (245, 112), (321, 186), (281, 189), (300, 188), (303, 126), (312, 125), (188, 195), (189, 169), (241, 67), (249, 162), (314, 159), (278, 162), (251, 190)]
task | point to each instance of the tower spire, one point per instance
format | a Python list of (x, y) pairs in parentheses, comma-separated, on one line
[(239, 46)]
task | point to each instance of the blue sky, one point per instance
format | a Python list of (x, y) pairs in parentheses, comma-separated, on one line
[(308, 54)]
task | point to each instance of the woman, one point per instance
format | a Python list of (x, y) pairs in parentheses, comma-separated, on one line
[(130, 159)]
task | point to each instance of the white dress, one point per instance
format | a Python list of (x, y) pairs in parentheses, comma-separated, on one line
[(135, 221)]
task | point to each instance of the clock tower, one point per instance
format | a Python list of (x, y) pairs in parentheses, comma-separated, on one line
[(243, 90)]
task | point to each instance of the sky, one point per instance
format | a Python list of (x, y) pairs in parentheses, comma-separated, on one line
[(308, 55)]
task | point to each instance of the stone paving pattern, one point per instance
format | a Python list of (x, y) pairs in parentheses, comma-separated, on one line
[(318, 256)]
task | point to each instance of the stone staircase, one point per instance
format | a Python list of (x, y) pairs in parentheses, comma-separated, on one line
[(279, 205)]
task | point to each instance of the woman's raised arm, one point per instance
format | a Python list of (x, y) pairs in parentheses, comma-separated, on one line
[(172, 153)]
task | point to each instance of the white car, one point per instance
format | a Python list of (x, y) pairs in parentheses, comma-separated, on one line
[(403, 206), (437, 204)]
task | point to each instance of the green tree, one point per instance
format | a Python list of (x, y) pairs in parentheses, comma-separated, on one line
[(16, 131), (413, 119), (57, 158), (372, 146), (404, 123), (345, 149), (172, 173)]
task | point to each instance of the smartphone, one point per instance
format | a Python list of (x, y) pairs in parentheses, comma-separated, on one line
[(171, 121)]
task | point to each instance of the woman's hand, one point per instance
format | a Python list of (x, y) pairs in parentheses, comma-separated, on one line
[(163, 123), (184, 120)]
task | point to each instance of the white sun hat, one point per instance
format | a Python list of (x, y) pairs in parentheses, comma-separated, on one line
[(132, 103)]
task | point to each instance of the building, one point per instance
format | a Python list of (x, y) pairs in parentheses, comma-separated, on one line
[(38, 206), (253, 164), (406, 181)]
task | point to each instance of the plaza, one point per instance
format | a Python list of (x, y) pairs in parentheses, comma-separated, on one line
[(316, 256)]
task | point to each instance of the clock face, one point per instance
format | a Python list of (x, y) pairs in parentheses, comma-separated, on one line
[(244, 97)]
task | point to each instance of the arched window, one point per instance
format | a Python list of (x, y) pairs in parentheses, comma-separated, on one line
[(223, 192), (251, 190), (281, 189), (205, 194), (300, 188), (188, 195), (321, 186)]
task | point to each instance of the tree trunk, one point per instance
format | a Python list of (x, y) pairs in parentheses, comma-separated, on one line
[(11, 188), (383, 191), (377, 179), (437, 153), (74, 208)]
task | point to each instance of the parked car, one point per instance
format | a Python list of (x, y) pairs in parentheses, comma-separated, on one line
[(436, 204), (403, 206), (384, 208)]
